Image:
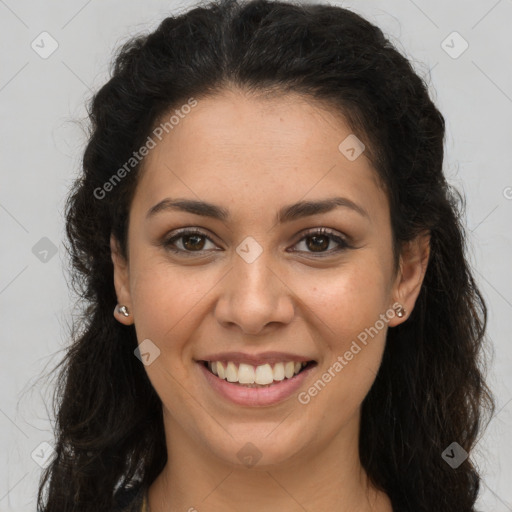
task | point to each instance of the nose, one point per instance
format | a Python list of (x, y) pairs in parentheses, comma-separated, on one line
[(254, 295)]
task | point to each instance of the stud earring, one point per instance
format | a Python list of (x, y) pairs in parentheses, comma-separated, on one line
[(123, 310), (400, 311)]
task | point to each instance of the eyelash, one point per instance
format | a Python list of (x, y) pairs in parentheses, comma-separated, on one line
[(169, 243)]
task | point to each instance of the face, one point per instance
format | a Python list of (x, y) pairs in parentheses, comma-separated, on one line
[(264, 283)]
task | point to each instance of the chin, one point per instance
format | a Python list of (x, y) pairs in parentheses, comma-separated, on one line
[(259, 450)]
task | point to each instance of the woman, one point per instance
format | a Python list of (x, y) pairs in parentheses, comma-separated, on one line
[(295, 325)]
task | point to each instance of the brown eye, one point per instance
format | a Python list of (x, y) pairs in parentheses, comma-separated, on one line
[(187, 241), (318, 241), (193, 242)]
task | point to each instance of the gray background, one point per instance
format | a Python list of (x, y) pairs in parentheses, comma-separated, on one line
[(42, 104)]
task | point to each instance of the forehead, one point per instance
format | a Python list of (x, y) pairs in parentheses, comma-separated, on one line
[(233, 143)]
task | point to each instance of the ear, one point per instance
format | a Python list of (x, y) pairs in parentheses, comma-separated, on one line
[(414, 257), (121, 282)]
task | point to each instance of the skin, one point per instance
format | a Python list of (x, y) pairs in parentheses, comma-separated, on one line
[(253, 155)]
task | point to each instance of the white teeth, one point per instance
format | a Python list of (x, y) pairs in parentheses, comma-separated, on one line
[(264, 374), (231, 372), (279, 371), (246, 374), (289, 369), (221, 371), (261, 375)]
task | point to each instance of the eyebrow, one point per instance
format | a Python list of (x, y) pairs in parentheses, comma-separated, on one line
[(286, 214)]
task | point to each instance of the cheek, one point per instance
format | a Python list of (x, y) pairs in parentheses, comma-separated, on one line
[(344, 378), (348, 299), (166, 303), (348, 305)]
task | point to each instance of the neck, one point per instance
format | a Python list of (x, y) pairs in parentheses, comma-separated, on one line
[(328, 478)]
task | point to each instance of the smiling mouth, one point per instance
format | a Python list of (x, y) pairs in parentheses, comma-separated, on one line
[(262, 376)]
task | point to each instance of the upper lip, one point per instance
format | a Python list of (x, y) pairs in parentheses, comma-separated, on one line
[(257, 359)]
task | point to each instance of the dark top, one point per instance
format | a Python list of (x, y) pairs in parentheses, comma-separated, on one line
[(132, 499)]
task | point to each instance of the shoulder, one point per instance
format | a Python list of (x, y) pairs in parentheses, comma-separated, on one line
[(129, 499)]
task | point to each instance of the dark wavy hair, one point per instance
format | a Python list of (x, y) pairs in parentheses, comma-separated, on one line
[(430, 390)]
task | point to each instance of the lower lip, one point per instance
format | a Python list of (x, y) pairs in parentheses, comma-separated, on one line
[(254, 397)]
